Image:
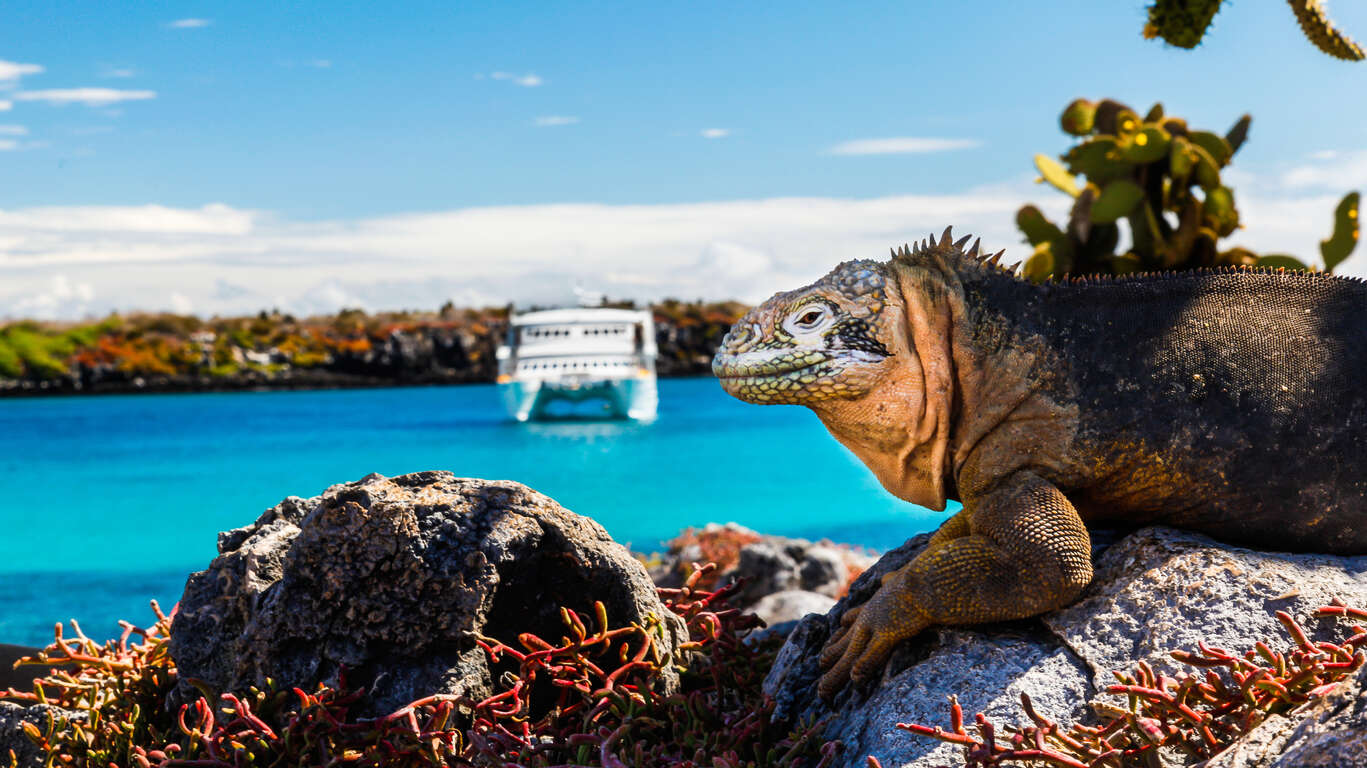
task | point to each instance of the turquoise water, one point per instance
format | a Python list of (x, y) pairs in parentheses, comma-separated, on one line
[(112, 500)]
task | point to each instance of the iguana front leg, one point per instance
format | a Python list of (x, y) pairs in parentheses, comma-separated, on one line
[(1016, 550)]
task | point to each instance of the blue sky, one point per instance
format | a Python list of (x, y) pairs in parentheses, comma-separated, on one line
[(217, 157)]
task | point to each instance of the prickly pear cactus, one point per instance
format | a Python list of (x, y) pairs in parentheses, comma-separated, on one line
[(1164, 180), (1184, 23), (1135, 169)]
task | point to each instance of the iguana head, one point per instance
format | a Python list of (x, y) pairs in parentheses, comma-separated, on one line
[(870, 348), (825, 341)]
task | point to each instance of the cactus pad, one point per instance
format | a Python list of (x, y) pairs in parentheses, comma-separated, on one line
[(1346, 228), (1052, 172), (1116, 200), (1320, 31), (1180, 22), (1078, 117)]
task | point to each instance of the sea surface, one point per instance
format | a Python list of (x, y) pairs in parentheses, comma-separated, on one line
[(112, 500)]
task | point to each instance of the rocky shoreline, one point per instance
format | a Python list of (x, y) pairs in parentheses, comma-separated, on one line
[(160, 353), (410, 586)]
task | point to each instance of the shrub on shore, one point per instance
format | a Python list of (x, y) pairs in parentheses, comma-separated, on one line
[(586, 699)]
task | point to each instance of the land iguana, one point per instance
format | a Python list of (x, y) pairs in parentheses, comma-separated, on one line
[(1232, 402)]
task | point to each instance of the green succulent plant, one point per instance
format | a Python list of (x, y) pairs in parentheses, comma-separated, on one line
[(1164, 180), (1184, 23)]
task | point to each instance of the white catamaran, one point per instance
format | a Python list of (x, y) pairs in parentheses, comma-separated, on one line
[(570, 356)]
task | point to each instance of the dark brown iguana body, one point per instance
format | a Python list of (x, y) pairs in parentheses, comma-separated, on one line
[(1233, 403)]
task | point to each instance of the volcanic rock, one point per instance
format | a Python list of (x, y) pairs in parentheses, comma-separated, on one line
[(1154, 591), (387, 582)]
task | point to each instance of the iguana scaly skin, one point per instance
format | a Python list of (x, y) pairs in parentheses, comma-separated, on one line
[(1230, 402)]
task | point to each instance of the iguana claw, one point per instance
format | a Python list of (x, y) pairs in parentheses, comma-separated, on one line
[(868, 635)]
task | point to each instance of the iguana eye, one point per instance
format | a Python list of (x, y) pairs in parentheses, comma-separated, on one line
[(808, 318)]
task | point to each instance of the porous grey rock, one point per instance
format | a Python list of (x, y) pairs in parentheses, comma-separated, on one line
[(825, 570), (790, 604), (767, 564), (764, 569), (391, 579), (12, 736), (1163, 589), (1154, 591)]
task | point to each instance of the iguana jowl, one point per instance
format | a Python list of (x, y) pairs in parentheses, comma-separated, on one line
[(1230, 402)]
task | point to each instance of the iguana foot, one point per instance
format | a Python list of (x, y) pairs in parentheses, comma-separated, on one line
[(1017, 551), (869, 633)]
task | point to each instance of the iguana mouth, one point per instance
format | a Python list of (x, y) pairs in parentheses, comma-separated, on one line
[(736, 367)]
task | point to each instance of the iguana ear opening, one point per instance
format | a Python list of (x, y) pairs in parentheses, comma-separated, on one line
[(929, 315)]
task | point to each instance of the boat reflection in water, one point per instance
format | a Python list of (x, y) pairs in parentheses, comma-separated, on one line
[(582, 362)]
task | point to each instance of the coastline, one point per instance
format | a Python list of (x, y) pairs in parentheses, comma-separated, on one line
[(290, 381), (272, 352)]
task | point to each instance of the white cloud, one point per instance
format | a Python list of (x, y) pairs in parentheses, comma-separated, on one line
[(749, 249), (58, 298), (189, 23), (527, 81), (230, 260), (6, 106), (215, 219), (900, 145), (739, 267), (715, 133), (118, 72), (320, 63), (1348, 170), (8, 145), (13, 130), (550, 120), (11, 71), (181, 304), (92, 97), (324, 297), (1291, 210)]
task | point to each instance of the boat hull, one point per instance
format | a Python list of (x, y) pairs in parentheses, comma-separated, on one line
[(635, 399)]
